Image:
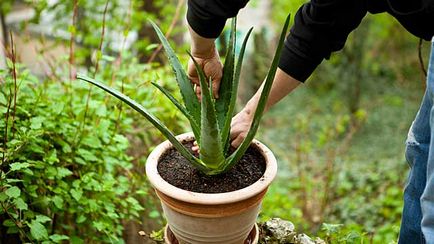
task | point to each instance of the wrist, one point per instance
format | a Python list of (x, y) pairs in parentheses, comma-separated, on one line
[(250, 107), (201, 47), (203, 51)]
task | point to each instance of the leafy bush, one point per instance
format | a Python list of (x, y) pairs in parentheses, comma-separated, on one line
[(65, 172)]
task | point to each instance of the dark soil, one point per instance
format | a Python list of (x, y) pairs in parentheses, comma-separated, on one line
[(177, 170)]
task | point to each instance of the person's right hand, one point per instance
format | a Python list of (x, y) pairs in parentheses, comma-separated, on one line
[(211, 66)]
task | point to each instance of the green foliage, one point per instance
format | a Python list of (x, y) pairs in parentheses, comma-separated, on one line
[(369, 170), (66, 173), (123, 21)]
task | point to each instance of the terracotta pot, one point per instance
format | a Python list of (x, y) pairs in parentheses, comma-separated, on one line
[(252, 238), (210, 217)]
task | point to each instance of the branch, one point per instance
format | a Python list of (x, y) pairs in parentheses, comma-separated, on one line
[(71, 42), (14, 75)]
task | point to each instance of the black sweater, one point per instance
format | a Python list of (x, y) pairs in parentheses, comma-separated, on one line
[(320, 26)]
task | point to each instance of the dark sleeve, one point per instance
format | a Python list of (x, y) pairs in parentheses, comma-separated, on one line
[(208, 17), (320, 27)]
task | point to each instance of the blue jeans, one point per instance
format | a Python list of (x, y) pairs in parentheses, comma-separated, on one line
[(417, 224)]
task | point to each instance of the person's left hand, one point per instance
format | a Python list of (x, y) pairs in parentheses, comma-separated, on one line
[(240, 126)]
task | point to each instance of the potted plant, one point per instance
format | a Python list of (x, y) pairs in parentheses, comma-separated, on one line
[(200, 200)]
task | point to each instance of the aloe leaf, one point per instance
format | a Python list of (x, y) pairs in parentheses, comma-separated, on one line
[(225, 91), (233, 97), (231, 160), (194, 125), (188, 95), (211, 150), (151, 118)]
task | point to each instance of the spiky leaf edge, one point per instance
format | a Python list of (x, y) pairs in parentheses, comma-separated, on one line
[(233, 98), (186, 88), (225, 91), (211, 148), (151, 118), (194, 126), (236, 156)]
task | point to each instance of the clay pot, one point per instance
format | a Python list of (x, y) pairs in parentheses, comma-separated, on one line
[(252, 238), (207, 218)]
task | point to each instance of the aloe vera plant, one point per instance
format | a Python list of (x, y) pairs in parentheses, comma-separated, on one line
[(210, 118)]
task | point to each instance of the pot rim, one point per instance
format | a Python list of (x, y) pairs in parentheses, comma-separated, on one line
[(209, 198)]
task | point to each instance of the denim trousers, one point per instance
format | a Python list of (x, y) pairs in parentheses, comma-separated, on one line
[(417, 225)]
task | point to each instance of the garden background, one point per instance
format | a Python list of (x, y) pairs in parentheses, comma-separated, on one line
[(72, 158)]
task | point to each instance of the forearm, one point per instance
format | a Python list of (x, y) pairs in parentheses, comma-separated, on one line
[(201, 47), (283, 84)]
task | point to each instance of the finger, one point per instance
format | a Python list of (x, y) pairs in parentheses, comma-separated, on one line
[(195, 143), (237, 141), (194, 80), (215, 88), (236, 130), (233, 134), (198, 93), (195, 148)]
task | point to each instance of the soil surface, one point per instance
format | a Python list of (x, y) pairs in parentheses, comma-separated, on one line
[(177, 170)]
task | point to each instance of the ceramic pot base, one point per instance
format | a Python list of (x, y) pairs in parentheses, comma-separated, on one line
[(252, 238)]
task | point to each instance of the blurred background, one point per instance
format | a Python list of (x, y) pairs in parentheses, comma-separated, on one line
[(73, 158)]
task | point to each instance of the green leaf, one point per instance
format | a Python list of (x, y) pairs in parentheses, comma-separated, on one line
[(38, 231), (58, 201), (231, 160), (157, 236), (98, 225), (186, 88), (42, 218), (76, 194), (193, 123), (3, 196), (36, 122), (63, 172), (81, 219), (87, 155), (211, 150), (76, 240), (3, 100), (151, 118), (233, 96), (20, 204), (59, 238), (13, 192), (58, 108), (13, 180), (151, 47), (79, 160), (18, 166), (92, 141), (225, 92), (52, 157), (9, 223), (154, 214)]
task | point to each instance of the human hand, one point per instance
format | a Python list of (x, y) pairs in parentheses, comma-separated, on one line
[(240, 126), (212, 67)]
